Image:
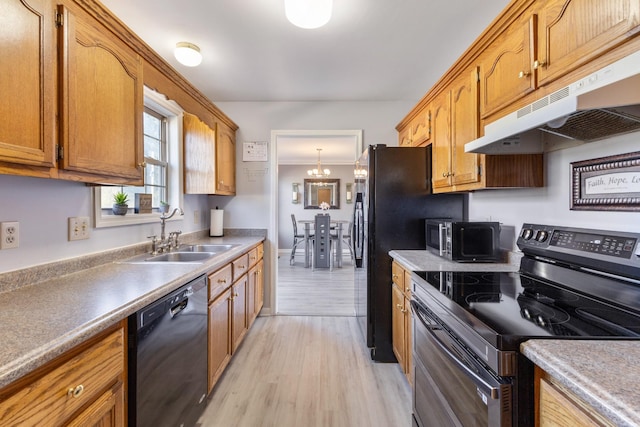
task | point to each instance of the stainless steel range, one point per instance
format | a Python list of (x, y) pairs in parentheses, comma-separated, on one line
[(572, 284)]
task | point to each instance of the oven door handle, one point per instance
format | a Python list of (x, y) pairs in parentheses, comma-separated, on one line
[(481, 383)]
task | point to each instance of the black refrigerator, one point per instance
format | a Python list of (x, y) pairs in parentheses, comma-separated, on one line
[(393, 198)]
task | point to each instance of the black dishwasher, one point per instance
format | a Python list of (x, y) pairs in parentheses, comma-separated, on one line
[(168, 359)]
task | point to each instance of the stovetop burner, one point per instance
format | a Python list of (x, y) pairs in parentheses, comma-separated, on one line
[(511, 307)]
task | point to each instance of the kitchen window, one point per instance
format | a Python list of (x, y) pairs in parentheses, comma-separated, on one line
[(162, 124)]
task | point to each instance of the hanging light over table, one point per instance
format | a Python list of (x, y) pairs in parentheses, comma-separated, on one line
[(319, 172)]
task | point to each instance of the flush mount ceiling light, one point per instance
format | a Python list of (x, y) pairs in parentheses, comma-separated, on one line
[(308, 14), (318, 172), (188, 54)]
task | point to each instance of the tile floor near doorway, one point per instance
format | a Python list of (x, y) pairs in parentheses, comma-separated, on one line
[(320, 292), (308, 371)]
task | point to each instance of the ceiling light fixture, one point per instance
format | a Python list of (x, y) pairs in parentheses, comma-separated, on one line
[(319, 172), (308, 14), (188, 54)]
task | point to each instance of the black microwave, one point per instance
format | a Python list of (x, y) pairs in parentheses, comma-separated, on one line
[(464, 241)]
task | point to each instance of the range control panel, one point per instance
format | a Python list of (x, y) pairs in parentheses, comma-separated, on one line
[(607, 243)]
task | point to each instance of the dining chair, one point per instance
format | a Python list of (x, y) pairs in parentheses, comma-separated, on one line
[(297, 239), (322, 243)]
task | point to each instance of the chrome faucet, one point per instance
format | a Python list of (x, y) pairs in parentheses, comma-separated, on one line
[(164, 244), (163, 218)]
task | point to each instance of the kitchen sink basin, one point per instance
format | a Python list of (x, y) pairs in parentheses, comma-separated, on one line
[(181, 257), (207, 248), (171, 257)]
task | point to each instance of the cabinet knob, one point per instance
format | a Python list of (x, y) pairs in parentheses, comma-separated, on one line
[(399, 306), (142, 165), (523, 74), (75, 392), (222, 280), (537, 64)]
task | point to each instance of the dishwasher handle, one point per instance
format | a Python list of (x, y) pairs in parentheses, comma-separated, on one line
[(178, 308)]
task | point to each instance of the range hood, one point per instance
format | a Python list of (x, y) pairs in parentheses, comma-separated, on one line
[(600, 105)]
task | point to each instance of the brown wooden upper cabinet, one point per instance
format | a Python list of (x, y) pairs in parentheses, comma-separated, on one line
[(547, 42), (506, 73), (28, 84), (68, 65), (226, 160), (209, 157), (455, 123), (418, 132)]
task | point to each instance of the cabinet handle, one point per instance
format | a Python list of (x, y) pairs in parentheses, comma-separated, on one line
[(399, 306), (523, 74), (142, 165), (241, 267), (537, 64), (235, 295), (403, 311), (75, 391), (222, 280), (395, 276)]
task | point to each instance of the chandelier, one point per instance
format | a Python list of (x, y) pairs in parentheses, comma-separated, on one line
[(318, 172), (359, 173)]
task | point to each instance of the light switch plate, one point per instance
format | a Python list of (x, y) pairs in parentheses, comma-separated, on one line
[(78, 228)]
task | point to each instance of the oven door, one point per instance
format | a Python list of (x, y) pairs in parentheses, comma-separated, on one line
[(451, 388)]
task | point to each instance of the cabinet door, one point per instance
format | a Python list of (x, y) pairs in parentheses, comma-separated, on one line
[(252, 287), (506, 69), (239, 312), (27, 85), (259, 287), (421, 128), (106, 411), (556, 409), (199, 156), (404, 137), (219, 336), (102, 102), (441, 145), (573, 32), (226, 161), (398, 325), (464, 128)]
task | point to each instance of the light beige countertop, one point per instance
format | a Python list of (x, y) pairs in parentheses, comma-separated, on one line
[(423, 260), (43, 320), (604, 374)]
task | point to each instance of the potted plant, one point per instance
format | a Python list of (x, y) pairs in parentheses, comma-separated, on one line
[(120, 206), (164, 207)]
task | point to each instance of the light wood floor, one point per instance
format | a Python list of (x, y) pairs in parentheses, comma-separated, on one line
[(320, 292), (307, 371)]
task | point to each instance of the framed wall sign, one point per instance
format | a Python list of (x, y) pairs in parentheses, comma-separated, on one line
[(607, 183)]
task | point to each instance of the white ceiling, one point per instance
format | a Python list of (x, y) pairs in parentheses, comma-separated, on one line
[(371, 50)]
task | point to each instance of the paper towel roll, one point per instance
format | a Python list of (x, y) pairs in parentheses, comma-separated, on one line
[(216, 229)]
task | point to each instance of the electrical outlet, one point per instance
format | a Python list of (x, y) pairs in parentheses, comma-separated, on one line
[(9, 235), (196, 217), (78, 228)]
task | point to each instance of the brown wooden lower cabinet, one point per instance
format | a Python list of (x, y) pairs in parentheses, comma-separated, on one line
[(83, 387), (558, 407), (235, 299), (402, 342), (219, 336)]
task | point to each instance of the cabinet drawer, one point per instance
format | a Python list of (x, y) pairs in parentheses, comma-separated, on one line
[(49, 400), (240, 266), (397, 275), (253, 257), (260, 249), (219, 281)]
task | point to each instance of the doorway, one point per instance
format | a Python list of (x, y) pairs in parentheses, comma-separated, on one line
[(298, 149)]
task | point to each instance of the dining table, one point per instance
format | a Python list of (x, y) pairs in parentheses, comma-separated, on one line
[(336, 224)]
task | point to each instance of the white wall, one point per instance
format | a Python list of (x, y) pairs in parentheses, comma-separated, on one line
[(42, 207), (250, 207), (550, 204)]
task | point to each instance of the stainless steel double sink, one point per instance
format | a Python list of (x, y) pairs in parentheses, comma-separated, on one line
[(190, 254)]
